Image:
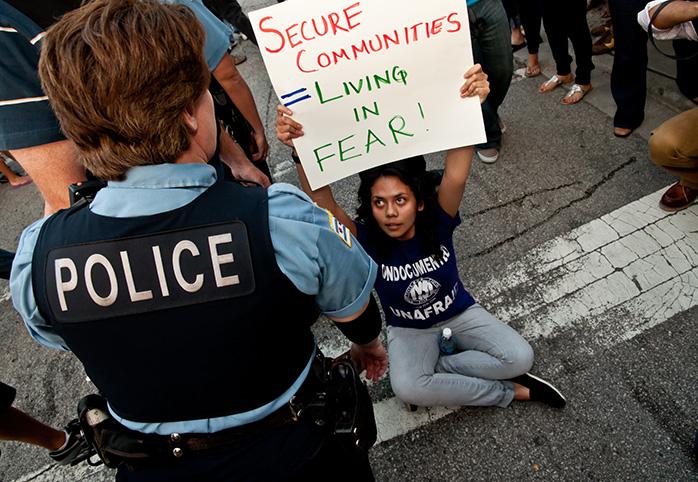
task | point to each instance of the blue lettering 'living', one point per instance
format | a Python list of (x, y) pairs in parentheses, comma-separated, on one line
[(141, 274)]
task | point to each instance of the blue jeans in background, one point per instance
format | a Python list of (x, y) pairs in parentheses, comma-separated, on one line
[(491, 37)]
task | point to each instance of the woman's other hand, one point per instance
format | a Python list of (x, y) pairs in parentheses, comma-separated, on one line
[(476, 83), (286, 128)]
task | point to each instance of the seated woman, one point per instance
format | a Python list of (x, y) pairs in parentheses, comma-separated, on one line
[(407, 227)]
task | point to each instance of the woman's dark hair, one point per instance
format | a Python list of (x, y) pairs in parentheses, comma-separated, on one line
[(412, 171)]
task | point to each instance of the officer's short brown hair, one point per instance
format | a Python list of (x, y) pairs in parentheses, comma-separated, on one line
[(119, 74)]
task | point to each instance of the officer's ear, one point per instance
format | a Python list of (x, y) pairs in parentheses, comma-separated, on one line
[(189, 116)]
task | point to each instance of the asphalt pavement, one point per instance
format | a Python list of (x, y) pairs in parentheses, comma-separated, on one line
[(561, 238)]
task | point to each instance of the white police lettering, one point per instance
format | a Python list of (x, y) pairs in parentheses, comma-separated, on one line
[(131, 284), (176, 258), (416, 269), (157, 257), (92, 261), (219, 259), (65, 285), (426, 312), (93, 272)]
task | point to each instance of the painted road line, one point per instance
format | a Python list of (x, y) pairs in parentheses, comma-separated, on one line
[(5, 293), (65, 473), (621, 261), (616, 277), (282, 169)]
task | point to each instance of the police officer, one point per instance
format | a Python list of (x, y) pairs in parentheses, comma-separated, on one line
[(187, 299)]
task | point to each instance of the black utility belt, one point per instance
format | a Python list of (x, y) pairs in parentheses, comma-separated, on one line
[(333, 398), (115, 443)]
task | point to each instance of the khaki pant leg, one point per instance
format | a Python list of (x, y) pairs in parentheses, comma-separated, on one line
[(674, 147)]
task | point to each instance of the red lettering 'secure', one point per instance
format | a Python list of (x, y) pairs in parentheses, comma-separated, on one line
[(308, 30)]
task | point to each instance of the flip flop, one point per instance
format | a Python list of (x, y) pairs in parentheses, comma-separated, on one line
[(574, 90), (551, 84), (25, 182)]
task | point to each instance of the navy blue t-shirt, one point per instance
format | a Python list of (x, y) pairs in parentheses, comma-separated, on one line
[(417, 290)]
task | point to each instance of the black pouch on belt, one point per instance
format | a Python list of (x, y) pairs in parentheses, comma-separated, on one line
[(337, 399), (355, 423), (113, 442)]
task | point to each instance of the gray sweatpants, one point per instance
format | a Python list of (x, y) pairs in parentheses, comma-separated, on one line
[(490, 352)]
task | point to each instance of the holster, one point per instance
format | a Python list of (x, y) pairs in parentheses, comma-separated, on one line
[(337, 399), (113, 442)]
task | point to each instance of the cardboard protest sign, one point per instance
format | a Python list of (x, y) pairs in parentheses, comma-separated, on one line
[(372, 81)]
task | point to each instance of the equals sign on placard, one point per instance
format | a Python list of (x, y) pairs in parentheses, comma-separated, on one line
[(295, 97)]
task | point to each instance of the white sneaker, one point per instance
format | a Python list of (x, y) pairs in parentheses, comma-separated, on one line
[(488, 156)]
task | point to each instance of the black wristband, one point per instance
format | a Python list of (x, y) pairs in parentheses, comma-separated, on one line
[(366, 327), (295, 157)]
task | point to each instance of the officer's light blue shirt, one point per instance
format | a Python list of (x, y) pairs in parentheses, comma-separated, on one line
[(311, 250), (217, 33)]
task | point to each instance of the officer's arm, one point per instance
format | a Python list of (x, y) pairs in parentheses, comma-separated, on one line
[(23, 293), (363, 326), (363, 329), (322, 259)]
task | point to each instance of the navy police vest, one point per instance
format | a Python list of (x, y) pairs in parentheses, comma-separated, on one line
[(182, 315)]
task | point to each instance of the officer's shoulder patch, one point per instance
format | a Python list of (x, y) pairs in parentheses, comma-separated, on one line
[(339, 229)]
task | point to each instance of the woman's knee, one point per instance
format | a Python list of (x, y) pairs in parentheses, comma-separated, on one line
[(520, 359), (408, 389)]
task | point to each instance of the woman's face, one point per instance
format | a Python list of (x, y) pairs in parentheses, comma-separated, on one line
[(395, 207)]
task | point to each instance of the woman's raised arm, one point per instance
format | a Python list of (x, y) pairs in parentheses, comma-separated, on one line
[(459, 160)]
